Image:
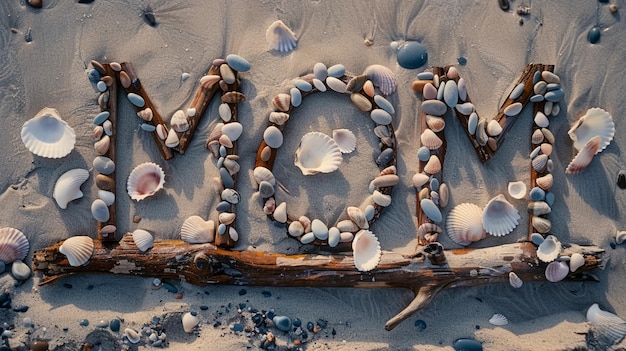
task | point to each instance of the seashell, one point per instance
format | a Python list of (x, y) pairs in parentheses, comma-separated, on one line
[(231, 165), (261, 173), (145, 180), (556, 271), (423, 194), (233, 97), (143, 239), (608, 327), (97, 132), (538, 208), (345, 139), (107, 127), (388, 170), (428, 229), (541, 225), (513, 109), (358, 217), (517, 190), (433, 166), (444, 195), (365, 250), (546, 148), (77, 249), (576, 260), (273, 137), (172, 139), (547, 134), (492, 143), (437, 124), (539, 163), (499, 216), (306, 223), (549, 249), (382, 77), (541, 120), (102, 146), (282, 102), (161, 131), (295, 229), (100, 210), (498, 319), (451, 93), (356, 83), (132, 335), (363, 103), (431, 210), (280, 37), (278, 118), (179, 121), (584, 157), (494, 128), (13, 245), (464, 224), (381, 199), (515, 280), (347, 225), (481, 132), (190, 321), (317, 153), (196, 230), (67, 187), (537, 137), (545, 182), (209, 80), (620, 237), (230, 195), (382, 131), (595, 122), (430, 140), (280, 213), (47, 135)]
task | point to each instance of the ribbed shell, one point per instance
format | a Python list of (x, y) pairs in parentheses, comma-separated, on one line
[(13, 245), (317, 153), (145, 180), (280, 37), (500, 217), (464, 224), (47, 135), (596, 122), (366, 250), (143, 239), (77, 249), (196, 230)]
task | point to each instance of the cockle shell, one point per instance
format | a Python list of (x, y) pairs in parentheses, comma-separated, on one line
[(499, 216), (196, 230), (179, 121), (282, 102), (13, 245), (345, 139), (545, 182), (584, 157), (382, 77), (549, 249), (556, 271), (596, 122), (498, 319), (428, 228), (261, 173), (420, 179), (517, 189), (280, 37), (358, 217), (437, 124), (77, 249), (145, 180), (280, 213), (464, 224), (278, 118), (430, 140), (366, 250), (47, 135), (607, 326), (538, 208), (539, 163), (102, 146), (190, 321), (317, 153), (433, 165), (208, 81), (143, 239), (67, 187)]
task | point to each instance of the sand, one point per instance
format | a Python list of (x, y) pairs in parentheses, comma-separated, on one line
[(50, 71)]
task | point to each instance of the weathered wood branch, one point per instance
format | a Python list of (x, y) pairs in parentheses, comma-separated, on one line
[(204, 264)]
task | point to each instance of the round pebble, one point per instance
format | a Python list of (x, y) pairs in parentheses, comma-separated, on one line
[(238, 327), (242, 292), (84, 322), (310, 326), (467, 345), (420, 324), (282, 322), (38, 345), (20, 270), (461, 60), (593, 35), (412, 55), (20, 308), (297, 322), (101, 86), (423, 153), (115, 325), (621, 180)]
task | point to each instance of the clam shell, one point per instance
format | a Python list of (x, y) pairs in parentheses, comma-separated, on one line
[(196, 230), (498, 319), (233, 97), (610, 327), (517, 190), (261, 173), (537, 137), (437, 124), (145, 180), (549, 249), (143, 239), (481, 132), (428, 228), (420, 179), (541, 225), (47, 135), (77, 249), (179, 122), (515, 280), (595, 122), (556, 271), (190, 321), (366, 250), (538, 208), (433, 166), (539, 163), (67, 187), (280, 37), (317, 153), (576, 260), (282, 102), (132, 335), (345, 139), (280, 213), (231, 195), (464, 224), (358, 217), (382, 77), (430, 140), (545, 182), (584, 157), (278, 118), (208, 81), (13, 245), (500, 217), (172, 139), (102, 146)]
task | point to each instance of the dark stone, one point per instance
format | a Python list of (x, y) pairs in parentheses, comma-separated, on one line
[(309, 326), (21, 308), (462, 60), (322, 323), (420, 325), (266, 293), (242, 292), (594, 35), (204, 307), (67, 285), (297, 322), (149, 17), (238, 327), (85, 1), (412, 55), (84, 322), (621, 180), (115, 325), (504, 5), (467, 345), (38, 345), (169, 287)]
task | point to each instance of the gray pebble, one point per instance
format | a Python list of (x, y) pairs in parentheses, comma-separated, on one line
[(2, 267), (20, 270)]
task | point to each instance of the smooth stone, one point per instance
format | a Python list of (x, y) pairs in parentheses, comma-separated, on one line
[(451, 93), (536, 238), (232, 130), (431, 210), (369, 212), (536, 98), (303, 85), (222, 206), (550, 77), (102, 324), (282, 322), (221, 229), (423, 153), (434, 107), (228, 76), (136, 100), (425, 75), (553, 86), (465, 108), (381, 116), (20, 270), (94, 76), (384, 157), (266, 189), (104, 165), (319, 229), (461, 60), (296, 97), (334, 236), (227, 179), (106, 196), (621, 180), (467, 345), (540, 87), (336, 71), (441, 90), (517, 91), (148, 127), (434, 184), (273, 137), (384, 104), (225, 112), (555, 95), (537, 194), (115, 325), (513, 109), (83, 322), (594, 35), (462, 88), (101, 117), (536, 77), (223, 152), (38, 345), (412, 55), (550, 197), (100, 210), (319, 85), (420, 325), (472, 123), (429, 92), (101, 86), (3, 267), (238, 327), (238, 63), (104, 182), (307, 238), (320, 71)]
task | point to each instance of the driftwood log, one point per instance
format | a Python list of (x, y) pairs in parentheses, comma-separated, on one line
[(204, 264)]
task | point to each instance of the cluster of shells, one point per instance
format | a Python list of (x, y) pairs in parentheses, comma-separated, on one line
[(363, 93)]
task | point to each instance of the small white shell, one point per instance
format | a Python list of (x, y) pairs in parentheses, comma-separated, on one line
[(190, 321), (366, 250), (556, 271), (172, 139), (317, 153), (280, 37), (67, 187), (345, 139), (498, 319), (584, 157), (280, 213), (179, 121), (549, 249), (47, 135), (515, 280), (196, 230), (279, 118), (77, 249), (382, 77), (420, 179), (13, 245), (596, 122), (143, 239), (576, 260), (132, 335), (517, 190), (620, 237), (145, 180), (261, 173), (499, 216), (464, 224)]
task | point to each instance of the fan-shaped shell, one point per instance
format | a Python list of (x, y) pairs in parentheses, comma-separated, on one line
[(366, 250), (77, 249), (261, 173), (584, 157), (358, 217), (556, 271), (179, 121), (145, 180), (549, 249), (430, 140), (464, 224), (196, 230), (498, 319), (143, 239), (317, 153), (67, 187), (517, 189), (596, 122), (345, 139), (13, 245), (280, 37), (500, 217), (576, 260), (437, 124), (382, 77), (47, 135), (610, 325)]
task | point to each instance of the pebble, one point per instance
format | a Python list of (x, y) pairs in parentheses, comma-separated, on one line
[(461, 60), (238, 63), (550, 197), (101, 117), (621, 180), (84, 322), (242, 292), (537, 194), (238, 327), (594, 35), (266, 293), (425, 76), (384, 157), (148, 127), (282, 322), (204, 307), (115, 325), (38, 345), (169, 287), (136, 99), (101, 86), (412, 55), (423, 153), (467, 345), (27, 322), (310, 326), (20, 270), (2, 267), (94, 76), (420, 324), (296, 322), (336, 71), (434, 107), (103, 165), (20, 308)]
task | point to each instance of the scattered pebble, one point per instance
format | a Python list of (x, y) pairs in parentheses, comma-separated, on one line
[(242, 292), (412, 54), (149, 17), (594, 35), (38, 345), (462, 60), (420, 324), (184, 76), (102, 324), (27, 322), (28, 37), (504, 5), (84, 322), (169, 287), (20, 270), (67, 285), (266, 293), (238, 327), (115, 325), (136, 219), (20, 308), (621, 180), (467, 345)]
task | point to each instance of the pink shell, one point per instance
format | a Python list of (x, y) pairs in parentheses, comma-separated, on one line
[(584, 157), (145, 180), (13, 245), (366, 250)]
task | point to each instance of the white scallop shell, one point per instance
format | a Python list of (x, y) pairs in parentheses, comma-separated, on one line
[(464, 224), (366, 250), (47, 135), (549, 249), (190, 321), (143, 239), (517, 190), (596, 122), (13, 245), (77, 249), (196, 230), (345, 139), (500, 217), (556, 271), (498, 319), (317, 153), (280, 37), (608, 324), (584, 157), (430, 140), (67, 187), (382, 77), (261, 173), (145, 180)]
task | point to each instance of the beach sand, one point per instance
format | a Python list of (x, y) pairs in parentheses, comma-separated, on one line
[(51, 71)]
